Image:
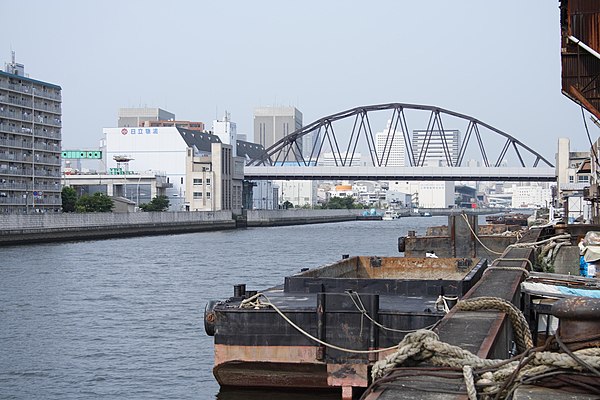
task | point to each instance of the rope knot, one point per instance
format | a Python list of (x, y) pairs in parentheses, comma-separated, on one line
[(415, 345)]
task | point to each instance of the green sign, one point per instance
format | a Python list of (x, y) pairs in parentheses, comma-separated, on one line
[(116, 171), (79, 154)]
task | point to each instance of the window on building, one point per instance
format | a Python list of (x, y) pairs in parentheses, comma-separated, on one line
[(197, 181), (571, 180), (582, 178), (198, 195), (182, 180), (208, 195), (207, 181)]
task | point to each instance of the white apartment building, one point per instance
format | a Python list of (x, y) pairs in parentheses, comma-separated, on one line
[(532, 195), (390, 147)]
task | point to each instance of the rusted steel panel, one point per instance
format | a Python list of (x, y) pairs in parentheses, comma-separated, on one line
[(579, 321), (584, 21), (278, 354), (269, 366), (356, 375), (580, 69), (272, 375)]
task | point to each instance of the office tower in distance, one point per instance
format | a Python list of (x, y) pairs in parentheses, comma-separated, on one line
[(429, 150), (272, 124)]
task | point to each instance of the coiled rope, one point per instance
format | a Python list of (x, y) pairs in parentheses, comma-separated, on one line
[(520, 326), (495, 377)]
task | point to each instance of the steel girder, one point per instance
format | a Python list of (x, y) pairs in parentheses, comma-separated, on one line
[(323, 130)]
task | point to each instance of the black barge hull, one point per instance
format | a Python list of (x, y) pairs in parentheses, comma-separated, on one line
[(358, 303)]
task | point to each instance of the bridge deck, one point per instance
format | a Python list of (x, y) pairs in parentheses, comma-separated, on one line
[(515, 174)]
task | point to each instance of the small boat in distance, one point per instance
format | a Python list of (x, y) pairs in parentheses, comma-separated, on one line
[(390, 214)]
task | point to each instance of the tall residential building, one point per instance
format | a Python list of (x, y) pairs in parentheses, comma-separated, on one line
[(134, 117), (390, 147), (428, 147), (272, 124), (30, 143)]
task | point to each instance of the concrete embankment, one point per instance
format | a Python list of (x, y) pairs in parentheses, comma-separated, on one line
[(298, 217), (24, 229)]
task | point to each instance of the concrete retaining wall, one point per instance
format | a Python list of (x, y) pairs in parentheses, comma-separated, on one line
[(19, 229), (23, 229), (298, 216)]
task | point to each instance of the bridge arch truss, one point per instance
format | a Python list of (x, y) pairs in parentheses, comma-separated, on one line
[(342, 135)]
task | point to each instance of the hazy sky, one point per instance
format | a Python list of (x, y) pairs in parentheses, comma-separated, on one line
[(498, 61)]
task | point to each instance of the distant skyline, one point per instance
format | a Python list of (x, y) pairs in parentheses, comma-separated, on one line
[(496, 61)]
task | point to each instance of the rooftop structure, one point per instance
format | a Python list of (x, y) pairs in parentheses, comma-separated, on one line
[(189, 125), (129, 117)]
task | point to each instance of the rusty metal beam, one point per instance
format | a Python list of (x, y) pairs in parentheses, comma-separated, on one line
[(581, 99)]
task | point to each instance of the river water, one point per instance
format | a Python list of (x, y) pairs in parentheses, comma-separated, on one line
[(123, 318)]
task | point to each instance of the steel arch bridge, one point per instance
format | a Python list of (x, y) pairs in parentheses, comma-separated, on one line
[(329, 132)]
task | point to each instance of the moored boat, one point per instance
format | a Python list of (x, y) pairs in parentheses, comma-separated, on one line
[(325, 327), (390, 214)]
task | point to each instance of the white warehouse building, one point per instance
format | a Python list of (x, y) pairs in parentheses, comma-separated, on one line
[(426, 194), (203, 171)]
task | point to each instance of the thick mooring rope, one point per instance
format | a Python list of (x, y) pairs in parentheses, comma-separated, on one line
[(519, 323), (477, 236), (502, 376)]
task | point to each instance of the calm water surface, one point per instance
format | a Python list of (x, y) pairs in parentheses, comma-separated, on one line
[(122, 318)]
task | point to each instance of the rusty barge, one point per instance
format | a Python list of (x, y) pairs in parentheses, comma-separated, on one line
[(332, 327), (323, 328)]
